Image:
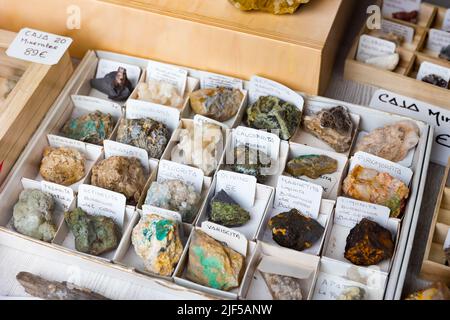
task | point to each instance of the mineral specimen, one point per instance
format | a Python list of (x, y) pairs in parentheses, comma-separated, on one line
[(435, 80), (379, 188), (93, 234), (226, 212), (160, 92), (406, 16), (283, 287), (213, 264), (157, 241), (122, 175), (391, 142), (388, 62), (146, 134), (271, 113), (199, 147), (352, 293), (174, 195), (91, 128), (389, 36), (251, 162), (272, 6), (368, 243), (312, 166), (220, 104), (6, 86), (334, 126), (295, 231), (63, 166), (33, 215), (115, 84), (445, 53), (437, 291)]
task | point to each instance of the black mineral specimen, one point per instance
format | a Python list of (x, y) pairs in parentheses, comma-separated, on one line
[(115, 84), (435, 80)]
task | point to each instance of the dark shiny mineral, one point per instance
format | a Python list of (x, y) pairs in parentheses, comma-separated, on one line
[(368, 244), (406, 16), (115, 84), (251, 162), (91, 128), (147, 134), (226, 212), (93, 234), (271, 113), (312, 166), (295, 231), (445, 53), (435, 80)]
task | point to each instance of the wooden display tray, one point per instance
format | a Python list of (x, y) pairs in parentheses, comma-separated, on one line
[(298, 50), (403, 79), (37, 88), (433, 265)]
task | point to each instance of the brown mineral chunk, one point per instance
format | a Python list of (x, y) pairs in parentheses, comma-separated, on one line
[(312, 166), (63, 166), (368, 244), (122, 175), (283, 287), (391, 142)]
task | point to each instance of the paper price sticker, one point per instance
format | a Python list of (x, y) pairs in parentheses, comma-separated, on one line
[(398, 29), (438, 39), (169, 170), (113, 148), (260, 87), (38, 46), (350, 212), (372, 47), (240, 187), (427, 68), (167, 73), (234, 239)]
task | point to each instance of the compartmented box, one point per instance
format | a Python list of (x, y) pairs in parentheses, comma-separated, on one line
[(435, 264), (403, 78), (28, 90), (282, 47)]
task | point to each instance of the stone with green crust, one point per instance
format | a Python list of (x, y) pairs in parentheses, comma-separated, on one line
[(90, 128), (312, 166), (226, 212), (272, 6), (213, 264)]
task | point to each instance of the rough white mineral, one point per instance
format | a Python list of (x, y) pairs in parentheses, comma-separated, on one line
[(160, 92)]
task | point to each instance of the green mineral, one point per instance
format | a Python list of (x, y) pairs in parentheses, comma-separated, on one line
[(275, 115), (146, 133), (251, 162), (91, 128), (312, 166), (226, 212), (93, 234), (272, 6)]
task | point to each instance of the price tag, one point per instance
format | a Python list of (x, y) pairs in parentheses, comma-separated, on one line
[(38, 46), (169, 170), (372, 47), (62, 142), (260, 87), (212, 80), (260, 140), (167, 73), (240, 187), (63, 196), (92, 104), (350, 212)]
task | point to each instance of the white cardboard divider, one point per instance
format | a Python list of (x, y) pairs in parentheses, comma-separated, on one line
[(168, 73), (260, 140), (335, 276), (331, 183), (240, 187), (85, 104)]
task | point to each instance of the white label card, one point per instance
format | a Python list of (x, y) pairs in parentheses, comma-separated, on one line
[(438, 39), (38, 46), (398, 29), (98, 201), (372, 47), (166, 214), (370, 161), (447, 241), (437, 117), (273, 265), (260, 140), (62, 195), (167, 73), (169, 170), (235, 240), (330, 287), (93, 104), (240, 187), (212, 80), (393, 6), (446, 23), (62, 142), (297, 194), (427, 68), (113, 148), (260, 87), (350, 212), (200, 120), (107, 66), (138, 109)]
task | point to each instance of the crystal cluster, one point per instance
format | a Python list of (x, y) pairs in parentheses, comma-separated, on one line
[(90, 128), (352, 293), (157, 241), (272, 6), (312, 166), (159, 92), (115, 85), (174, 195), (226, 212), (146, 134), (33, 215), (220, 104), (63, 166)]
